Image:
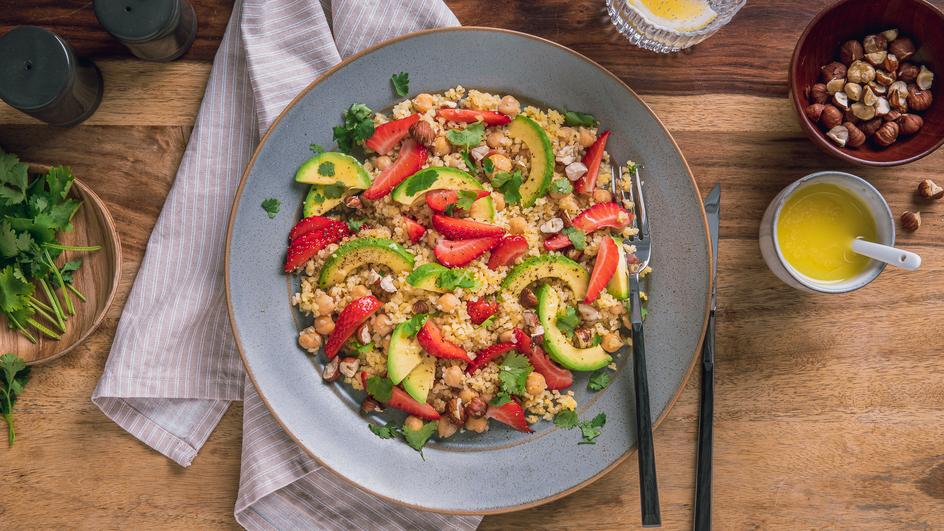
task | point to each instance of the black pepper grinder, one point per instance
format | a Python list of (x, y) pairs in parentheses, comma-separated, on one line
[(41, 76), (154, 30)]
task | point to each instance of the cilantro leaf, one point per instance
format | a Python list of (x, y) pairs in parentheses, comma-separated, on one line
[(316, 148), (573, 118), (380, 388), (509, 184), (417, 439), (632, 167), (592, 429), (271, 206), (598, 381), (472, 135), (513, 373), (14, 290), (413, 325), (488, 165), (465, 199), (567, 321), (577, 237), (14, 374), (401, 83), (421, 181), (13, 180), (68, 268), (358, 126), (562, 186), (334, 191), (644, 312), (384, 432), (355, 224), (488, 322), (469, 163), (566, 419), (451, 279), (500, 399), (360, 349), (326, 169)]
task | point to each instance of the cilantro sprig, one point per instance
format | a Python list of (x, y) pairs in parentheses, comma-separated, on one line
[(13, 377), (358, 126), (513, 373), (472, 135), (272, 207), (574, 118), (568, 321), (401, 83), (589, 429), (417, 439), (509, 184)]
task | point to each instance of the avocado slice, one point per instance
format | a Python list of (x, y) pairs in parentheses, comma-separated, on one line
[(548, 266), (317, 202), (403, 354), (420, 380), (542, 157), (619, 283), (444, 178), (331, 168), (427, 277), (360, 252), (558, 347)]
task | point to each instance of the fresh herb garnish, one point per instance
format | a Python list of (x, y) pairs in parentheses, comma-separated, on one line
[(566, 419), (451, 279), (568, 321), (467, 158), (316, 148), (384, 432), (417, 439), (589, 429), (472, 135), (13, 377), (577, 237), (643, 312), (512, 375), (271, 206), (465, 199), (380, 388), (488, 165), (358, 126), (421, 181), (632, 167), (488, 322), (574, 118), (326, 169), (335, 191), (509, 184), (413, 325), (360, 349), (562, 186), (598, 380), (401, 83), (355, 224)]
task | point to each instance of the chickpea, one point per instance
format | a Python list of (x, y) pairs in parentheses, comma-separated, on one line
[(585, 138), (309, 340), (413, 423), (453, 376), (324, 325), (508, 336), (325, 303), (441, 146), (423, 102), (448, 302), (359, 291), (510, 106), (568, 203), (602, 196), (494, 139), (467, 395), (382, 325), (498, 201), (535, 384), (500, 163), (611, 342), (446, 429), (565, 132), (517, 225), (477, 425), (382, 162)]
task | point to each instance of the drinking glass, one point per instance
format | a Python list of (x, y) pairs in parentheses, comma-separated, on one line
[(641, 32)]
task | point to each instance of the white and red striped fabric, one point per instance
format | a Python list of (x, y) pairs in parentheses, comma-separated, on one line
[(174, 369)]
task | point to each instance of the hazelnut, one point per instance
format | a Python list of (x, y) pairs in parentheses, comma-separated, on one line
[(331, 371), (884, 78), (860, 72), (830, 117), (849, 116), (910, 124), (898, 100), (456, 411), (353, 202), (876, 88), (925, 78), (871, 126), (832, 71), (369, 405), (423, 133), (853, 91), (887, 134), (919, 100), (527, 298), (929, 189), (863, 111), (841, 100), (819, 94), (910, 221), (908, 72), (902, 47), (420, 307), (882, 107), (856, 136), (874, 43), (890, 34), (476, 408), (890, 64), (851, 51), (892, 116), (876, 58), (839, 135), (868, 96), (835, 85)]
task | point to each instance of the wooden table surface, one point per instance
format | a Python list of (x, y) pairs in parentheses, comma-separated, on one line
[(830, 409)]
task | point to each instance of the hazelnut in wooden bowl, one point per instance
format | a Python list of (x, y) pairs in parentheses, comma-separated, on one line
[(862, 80)]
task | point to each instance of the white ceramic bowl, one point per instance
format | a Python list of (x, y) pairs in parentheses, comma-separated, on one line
[(770, 247)]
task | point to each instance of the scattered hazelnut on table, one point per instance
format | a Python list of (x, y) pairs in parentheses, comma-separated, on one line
[(910, 221), (929, 189), (909, 124), (887, 134)]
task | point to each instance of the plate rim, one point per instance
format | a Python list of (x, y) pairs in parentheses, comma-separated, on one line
[(229, 239)]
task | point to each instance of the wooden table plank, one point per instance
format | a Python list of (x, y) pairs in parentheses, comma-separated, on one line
[(828, 408)]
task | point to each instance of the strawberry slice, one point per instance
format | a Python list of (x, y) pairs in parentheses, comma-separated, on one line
[(487, 354), (522, 341), (440, 200), (460, 252), (351, 318), (596, 217), (401, 400), (431, 339), (556, 377), (591, 159), (387, 136), (481, 309), (411, 159), (557, 242), (414, 230), (307, 225), (470, 116), (603, 269), (511, 414), (307, 245), (509, 249), (464, 229)]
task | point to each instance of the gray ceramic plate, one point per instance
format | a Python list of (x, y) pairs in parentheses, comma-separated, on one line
[(502, 470)]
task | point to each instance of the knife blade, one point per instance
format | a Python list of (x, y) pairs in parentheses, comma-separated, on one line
[(702, 511)]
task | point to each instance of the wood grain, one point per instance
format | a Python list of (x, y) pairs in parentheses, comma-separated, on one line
[(828, 410)]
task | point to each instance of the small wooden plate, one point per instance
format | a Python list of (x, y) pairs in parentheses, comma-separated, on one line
[(97, 279)]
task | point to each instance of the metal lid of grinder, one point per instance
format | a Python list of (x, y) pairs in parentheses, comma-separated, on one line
[(36, 67), (136, 21)]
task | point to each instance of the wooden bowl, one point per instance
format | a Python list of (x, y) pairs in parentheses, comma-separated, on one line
[(97, 279), (854, 19)]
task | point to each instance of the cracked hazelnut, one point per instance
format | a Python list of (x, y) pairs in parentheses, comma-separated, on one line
[(841, 100), (871, 126), (423, 133), (925, 78), (830, 117), (890, 64), (882, 107), (902, 47), (929, 189), (849, 116), (919, 100), (814, 111), (884, 78), (909, 124), (860, 72), (832, 71), (476, 408), (892, 116), (908, 72), (819, 94), (868, 96), (851, 51), (527, 298), (456, 411), (863, 111), (876, 88), (856, 136), (890, 34), (835, 85), (369, 405), (853, 91), (331, 371), (874, 43), (839, 135), (898, 101), (910, 221), (887, 134), (876, 58)]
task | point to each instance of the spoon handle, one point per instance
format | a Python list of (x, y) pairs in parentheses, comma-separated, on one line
[(890, 255)]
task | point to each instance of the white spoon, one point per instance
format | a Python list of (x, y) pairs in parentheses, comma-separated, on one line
[(890, 255)]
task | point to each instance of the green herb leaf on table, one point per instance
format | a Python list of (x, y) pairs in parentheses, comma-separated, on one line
[(326, 169), (358, 126), (568, 321), (380, 388), (509, 184), (271, 206), (417, 439), (414, 324), (562, 186), (335, 191), (566, 419), (421, 181), (574, 118), (598, 380), (384, 432), (14, 374), (577, 237), (472, 135), (456, 278), (316, 148), (401, 83)]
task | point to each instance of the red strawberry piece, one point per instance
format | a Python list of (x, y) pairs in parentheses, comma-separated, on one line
[(307, 225), (351, 318), (470, 116), (509, 249), (431, 339), (481, 309), (387, 136), (307, 245), (401, 400), (591, 159), (596, 217), (557, 242), (603, 269), (556, 377), (522, 341), (487, 354), (440, 200), (414, 230), (411, 159), (511, 414), (463, 228), (460, 252)]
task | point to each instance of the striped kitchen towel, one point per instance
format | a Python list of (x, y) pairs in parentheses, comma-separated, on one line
[(174, 369)]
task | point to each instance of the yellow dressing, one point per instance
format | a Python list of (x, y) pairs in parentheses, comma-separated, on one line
[(676, 15), (815, 231)]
